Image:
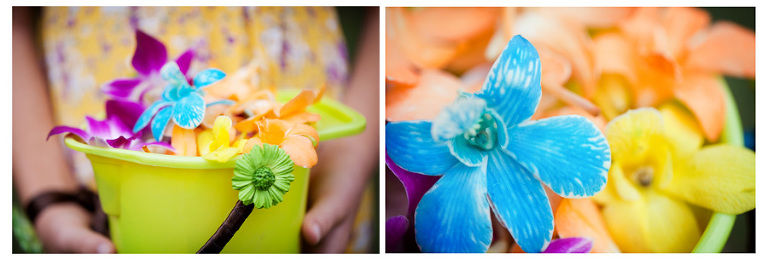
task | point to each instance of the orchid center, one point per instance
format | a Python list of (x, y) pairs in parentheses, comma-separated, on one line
[(643, 176), (483, 133), (263, 178)]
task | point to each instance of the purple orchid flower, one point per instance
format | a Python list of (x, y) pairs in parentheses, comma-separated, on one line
[(570, 245), (148, 59), (115, 130), (399, 228)]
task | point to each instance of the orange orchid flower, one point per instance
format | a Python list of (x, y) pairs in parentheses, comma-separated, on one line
[(665, 53), (582, 218), (298, 140), (294, 111)]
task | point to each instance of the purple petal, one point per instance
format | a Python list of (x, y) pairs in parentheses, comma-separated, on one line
[(68, 129), (185, 60), (396, 228), (127, 112), (150, 54), (416, 185), (120, 142), (121, 88), (137, 146), (569, 245), (99, 128)]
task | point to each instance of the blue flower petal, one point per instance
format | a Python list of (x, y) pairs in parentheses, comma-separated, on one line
[(567, 153), (160, 122), (513, 86), (410, 145), (172, 74), (189, 111), (465, 152), (520, 202), (207, 77), (453, 216), (457, 118), (148, 114)]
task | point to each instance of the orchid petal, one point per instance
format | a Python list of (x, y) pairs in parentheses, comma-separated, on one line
[(121, 141), (221, 127), (160, 144), (99, 128), (416, 185), (150, 54), (457, 118), (719, 177), (221, 155), (204, 140), (582, 217), (207, 77), (520, 202), (546, 147), (453, 215), (160, 122), (121, 88), (301, 150), (408, 142), (127, 112), (465, 152), (148, 114), (189, 111), (702, 94), (513, 86), (396, 227), (653, 224), (570, 245), (172, 74), (728, 48), (630, 133), (221, 102), (409, 103), (68, 129), (184, 60), (681, 130), (183, 141)]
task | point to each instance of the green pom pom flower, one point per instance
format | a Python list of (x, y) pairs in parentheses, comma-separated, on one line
[(263, 176)]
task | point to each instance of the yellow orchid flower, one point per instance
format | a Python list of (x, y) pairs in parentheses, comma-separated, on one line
[(660, 170), (213, 144)]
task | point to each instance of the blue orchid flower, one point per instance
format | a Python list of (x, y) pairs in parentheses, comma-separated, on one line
[(491, 155), (180, 101)]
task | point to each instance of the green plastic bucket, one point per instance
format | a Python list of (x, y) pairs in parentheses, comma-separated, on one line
[(720, 224), (159, 203)]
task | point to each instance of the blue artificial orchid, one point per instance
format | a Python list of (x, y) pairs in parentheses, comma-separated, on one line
[(180, 101), (491, 155)]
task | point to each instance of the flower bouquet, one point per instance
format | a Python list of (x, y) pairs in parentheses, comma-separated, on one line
[(565, 129), (205, 163)]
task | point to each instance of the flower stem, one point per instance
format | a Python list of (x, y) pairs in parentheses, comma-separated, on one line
[(227, 229)]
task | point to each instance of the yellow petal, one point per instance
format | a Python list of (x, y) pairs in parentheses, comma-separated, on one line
[(204, 141), (719, 177), (681, 130), (240, 144), (613, 96), (221, 155), (632, 134), (221, 128), (622, 187), (654, 223)]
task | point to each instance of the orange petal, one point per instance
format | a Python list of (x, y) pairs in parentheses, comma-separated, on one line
[(319, 93), (305, 131), (597, 119), (298, 104), (250, 143), (273, 131), (452, 24), (582, 218), (398, 69), (702, 95), (248, 125), (237, 84), (183, 140), (680, 24), (301, 150), (726, 48), (614, 54), (593, 17), (301, 118), (421, 52), (435, 90), (555, 69), (470, 52)]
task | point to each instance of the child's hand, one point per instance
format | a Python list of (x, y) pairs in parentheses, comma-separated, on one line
[(63, 228)]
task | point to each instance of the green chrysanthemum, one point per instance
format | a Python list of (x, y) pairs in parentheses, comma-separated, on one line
[(263, 176)]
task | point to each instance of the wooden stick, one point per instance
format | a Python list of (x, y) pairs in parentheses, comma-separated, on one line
[(227, 229)]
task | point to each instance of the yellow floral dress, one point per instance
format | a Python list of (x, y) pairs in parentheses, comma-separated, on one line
[(86, 47)]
